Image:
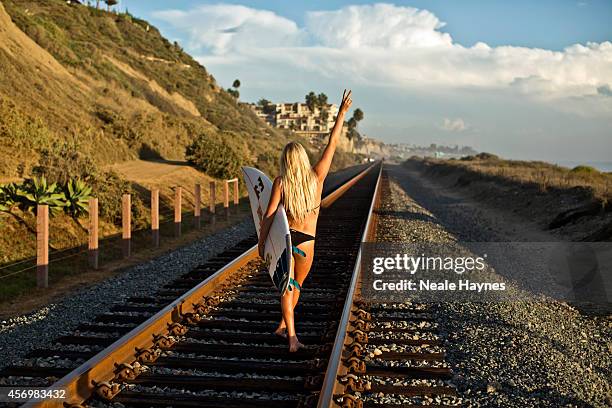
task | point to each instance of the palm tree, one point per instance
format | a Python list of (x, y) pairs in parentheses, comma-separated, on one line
[(322, 100), (358, 115), (234, 89), (311, 101), (110, 3)]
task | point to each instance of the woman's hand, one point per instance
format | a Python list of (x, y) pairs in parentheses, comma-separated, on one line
[(346, 102)]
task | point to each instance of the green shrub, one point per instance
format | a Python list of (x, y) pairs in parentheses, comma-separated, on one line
[(64, 162), (109, 188), (586, 170), (215, 158), (37, 191), (77, 195), (487, 156), (9, 197)]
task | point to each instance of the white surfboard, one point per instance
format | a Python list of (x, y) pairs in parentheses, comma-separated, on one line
[(277, 251)]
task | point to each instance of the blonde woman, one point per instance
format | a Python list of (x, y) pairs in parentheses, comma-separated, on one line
[(299, 189)]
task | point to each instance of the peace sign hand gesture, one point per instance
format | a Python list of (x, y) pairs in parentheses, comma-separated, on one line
[(346, 101)]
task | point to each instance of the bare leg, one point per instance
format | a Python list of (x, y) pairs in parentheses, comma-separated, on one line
[(302, 267), (287, 306), (281, 330)]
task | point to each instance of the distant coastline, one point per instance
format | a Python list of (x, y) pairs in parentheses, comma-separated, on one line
[(599, 165)]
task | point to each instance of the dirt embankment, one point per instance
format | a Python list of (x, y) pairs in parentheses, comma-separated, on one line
[(573, 213)]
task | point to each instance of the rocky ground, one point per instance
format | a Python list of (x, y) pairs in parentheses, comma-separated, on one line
[(535, 353)]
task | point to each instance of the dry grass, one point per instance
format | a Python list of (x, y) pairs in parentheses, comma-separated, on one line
[(541, 175)]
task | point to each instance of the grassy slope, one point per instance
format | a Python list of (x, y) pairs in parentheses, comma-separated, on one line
[(112, 86), (126, 90), (574, 202)]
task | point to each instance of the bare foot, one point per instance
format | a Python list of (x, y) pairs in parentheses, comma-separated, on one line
[(294, 344), (281, 332)]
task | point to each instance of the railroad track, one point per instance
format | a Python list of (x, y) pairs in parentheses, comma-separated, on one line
[(386, 355), (206, 339)]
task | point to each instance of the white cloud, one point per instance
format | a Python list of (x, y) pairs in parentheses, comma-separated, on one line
[(454, 125), (377, 25), (384, 44), (407, 73), (225, 28)]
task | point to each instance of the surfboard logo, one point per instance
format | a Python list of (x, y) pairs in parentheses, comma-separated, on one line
[(259, 187), (280, 276)]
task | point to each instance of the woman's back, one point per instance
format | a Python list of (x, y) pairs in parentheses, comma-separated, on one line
[(308, 224)]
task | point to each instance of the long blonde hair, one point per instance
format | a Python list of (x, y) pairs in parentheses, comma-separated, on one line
[(299, 182)]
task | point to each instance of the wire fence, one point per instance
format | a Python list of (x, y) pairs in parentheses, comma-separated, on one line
[(75, 259)]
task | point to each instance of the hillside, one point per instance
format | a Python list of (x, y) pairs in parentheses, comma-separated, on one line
[(572, 203), (104, 97), (112, 86)]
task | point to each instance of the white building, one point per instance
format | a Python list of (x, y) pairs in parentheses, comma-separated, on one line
[(299, 118)]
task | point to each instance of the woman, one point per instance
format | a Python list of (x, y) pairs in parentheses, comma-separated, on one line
[(299, 189)]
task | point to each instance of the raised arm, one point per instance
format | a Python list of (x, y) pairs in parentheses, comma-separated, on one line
[(324, 163), (268, 217)]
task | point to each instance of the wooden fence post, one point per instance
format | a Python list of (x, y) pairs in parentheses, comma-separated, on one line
[(197, 206), (155, 217), (213, 198), (126, 204), (42, 246), (236, 193), (93, 233), (226, 197), (178, 198)]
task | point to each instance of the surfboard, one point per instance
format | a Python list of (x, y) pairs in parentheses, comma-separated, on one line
[(277, 249)]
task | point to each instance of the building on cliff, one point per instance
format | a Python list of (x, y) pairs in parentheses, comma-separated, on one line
[(298, 117)]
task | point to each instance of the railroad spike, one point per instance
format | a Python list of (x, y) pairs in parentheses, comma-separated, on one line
[(359, 336), (355, 384), (147, 355), (355, 365), (126, 371), (163, 342), (211, 300), (355, 351), (193, 318), (361, 324), (348, 401), (106, 390), (363, 314), (177, 329), (199, 308)]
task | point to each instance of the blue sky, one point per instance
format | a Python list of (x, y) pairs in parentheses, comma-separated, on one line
[(552, 24), (525, 79)]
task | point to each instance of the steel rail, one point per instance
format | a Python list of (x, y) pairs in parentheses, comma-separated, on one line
[(79, 384), (334, 366)]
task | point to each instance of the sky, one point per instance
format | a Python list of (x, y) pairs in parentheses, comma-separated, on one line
[(523, 79)]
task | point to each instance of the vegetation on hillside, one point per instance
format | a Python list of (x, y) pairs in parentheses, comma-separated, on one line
[(82, 88), (214, 157), (539, 175)]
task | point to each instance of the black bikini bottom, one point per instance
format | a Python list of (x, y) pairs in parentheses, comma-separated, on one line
[(299, 237)]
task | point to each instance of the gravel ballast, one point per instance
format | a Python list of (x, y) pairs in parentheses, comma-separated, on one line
[(21, 334), (540, 353)]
